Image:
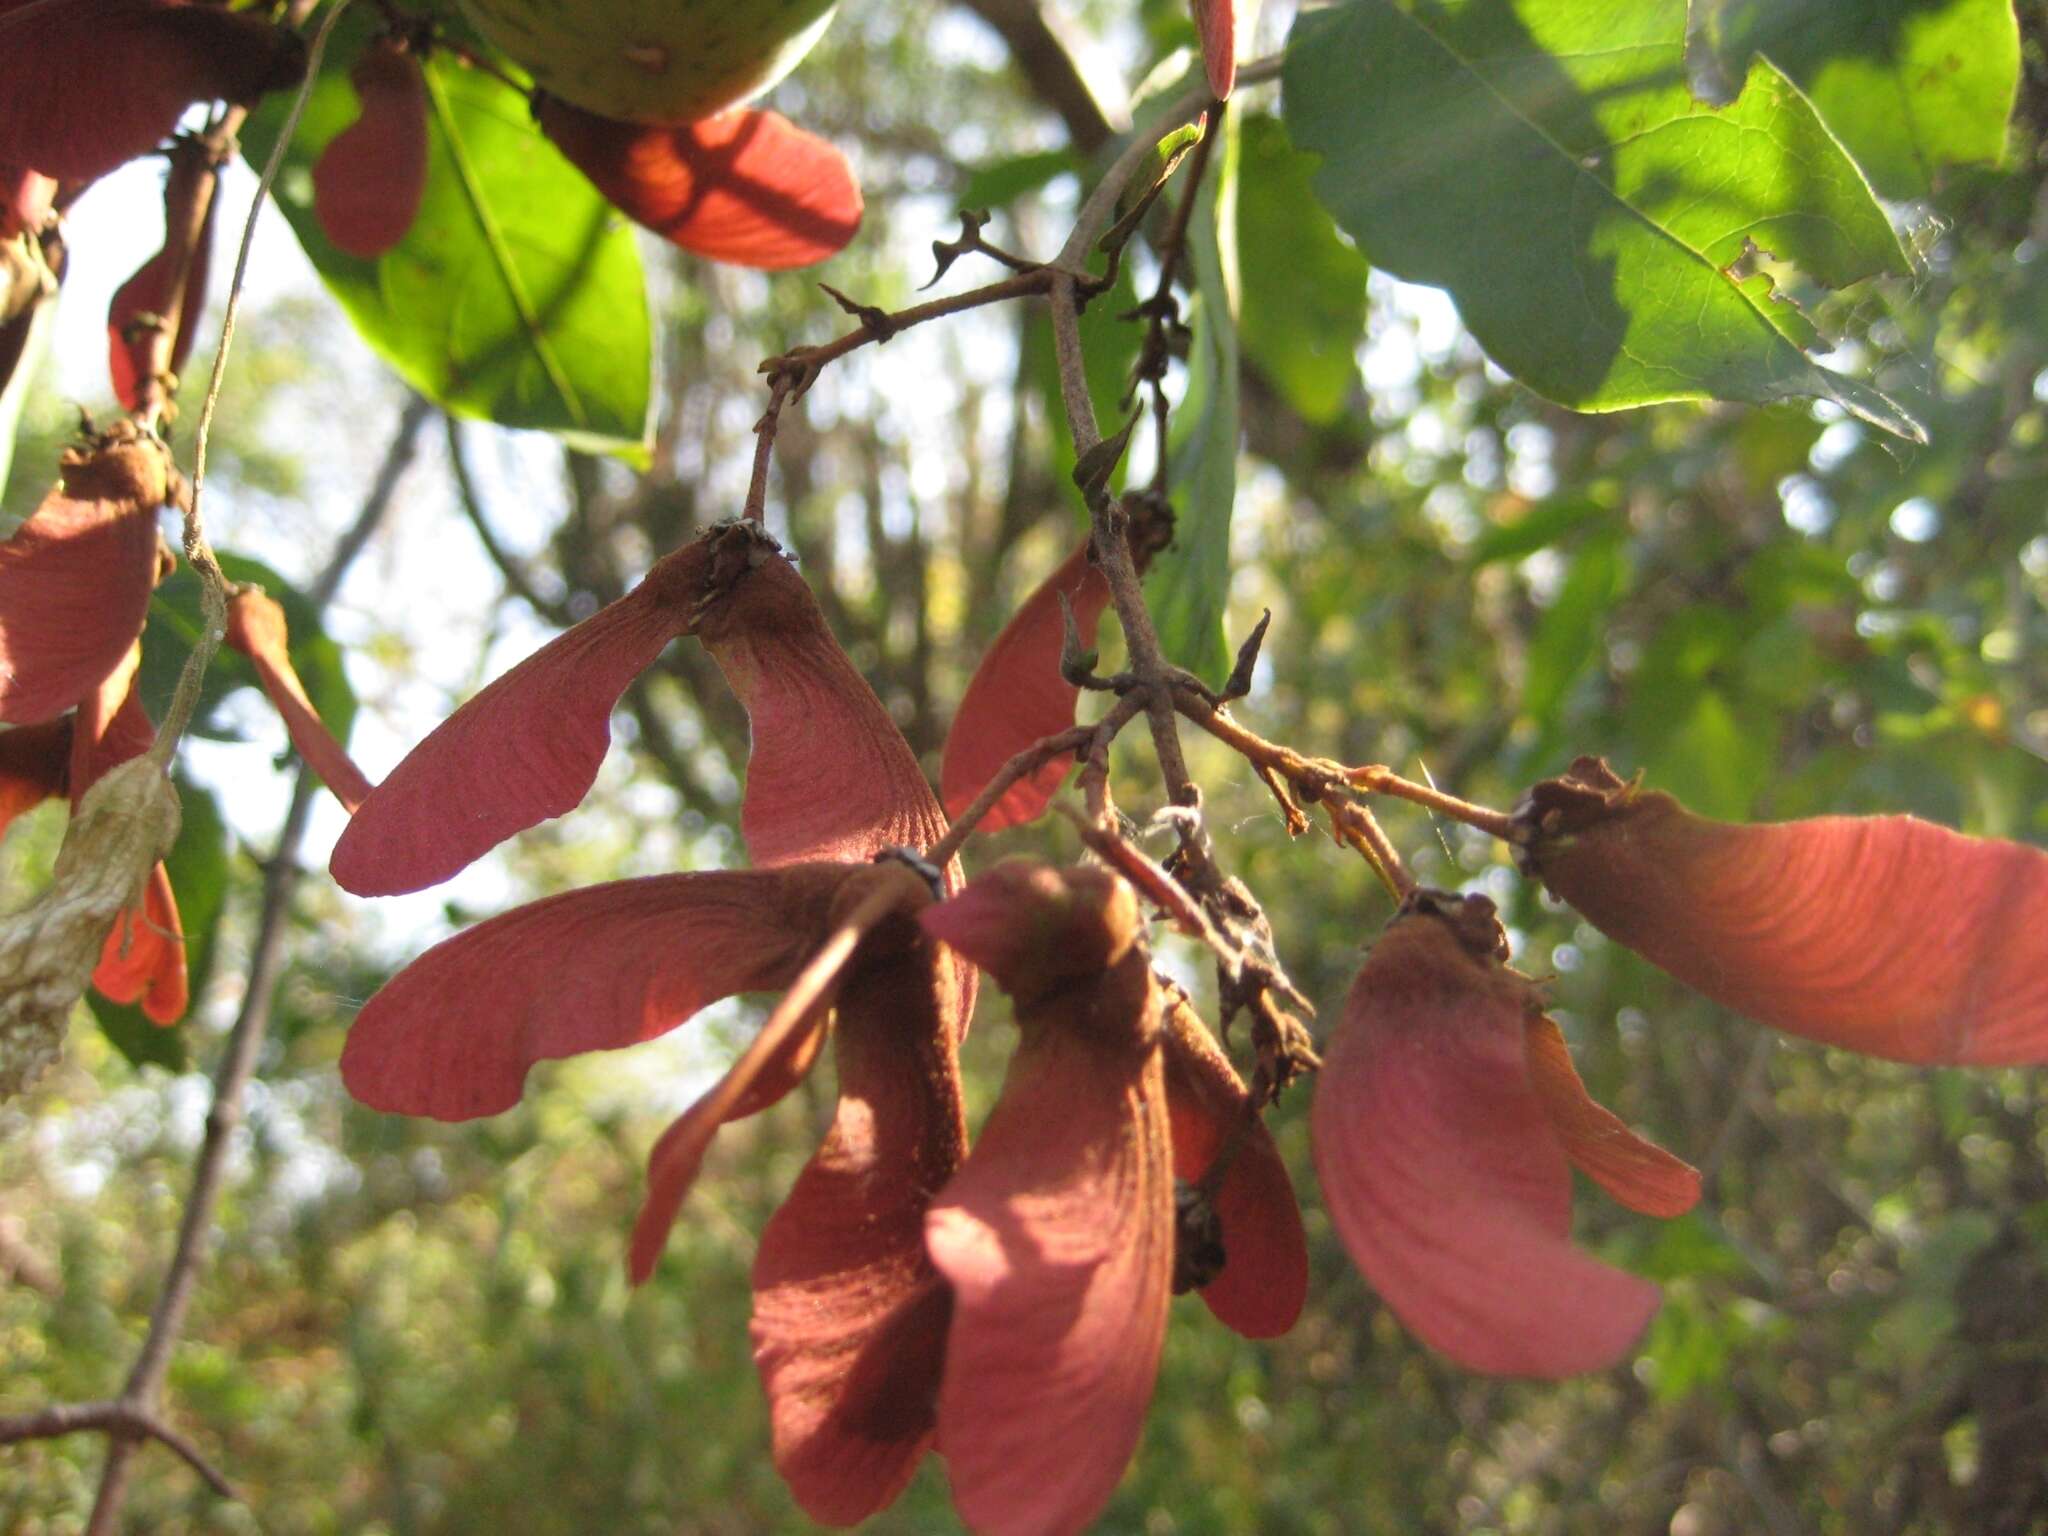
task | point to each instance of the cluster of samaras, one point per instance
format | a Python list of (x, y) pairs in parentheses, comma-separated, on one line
[(1003, 1297)]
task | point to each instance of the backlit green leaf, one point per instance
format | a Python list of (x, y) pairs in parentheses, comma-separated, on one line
[(517, 296), (1189, 584), (1908, 86), (1304, 285), (1546, 162)]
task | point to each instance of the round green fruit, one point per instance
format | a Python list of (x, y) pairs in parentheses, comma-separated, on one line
[(653, 61)]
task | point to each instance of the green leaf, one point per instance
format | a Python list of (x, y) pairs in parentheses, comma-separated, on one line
[(517, 296), (174, 624), (1189, 584), (1303, 315), (1537, 528), (1004, 181), (1567, 636), (1545, 162), (1908, 86), (199, 871)]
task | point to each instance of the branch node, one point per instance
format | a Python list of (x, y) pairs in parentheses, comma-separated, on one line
[(880, 324)]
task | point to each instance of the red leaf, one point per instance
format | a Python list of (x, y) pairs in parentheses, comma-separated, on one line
[(1057, 1236), (1216, 21), (256, 628), (136, 347), (1441, 1172), (368, 182), (1264, 1280), (747, 187), (34, 764), (1638, 1173), (1883, 934), (526, 748), (850, 1318), (1017, 696), (87, 84), (75, 580), (144, 956), (454, 1034)]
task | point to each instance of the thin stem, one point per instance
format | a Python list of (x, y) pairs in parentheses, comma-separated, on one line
[(214, 588), (1378, 779), (117, 1418), (1021, 766), (1316, 781), (756, 506), (509, 565), (138, 1419), (245, 1040), (808, 362)]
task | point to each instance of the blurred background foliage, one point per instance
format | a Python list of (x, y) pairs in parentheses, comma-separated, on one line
[(426, 1330)]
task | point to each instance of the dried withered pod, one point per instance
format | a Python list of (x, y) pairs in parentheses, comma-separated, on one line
[(1446, 1122), (1881, 934)]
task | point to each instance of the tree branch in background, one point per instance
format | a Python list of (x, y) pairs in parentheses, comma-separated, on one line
[(511, 569), (1048, 67), (134, 1417)]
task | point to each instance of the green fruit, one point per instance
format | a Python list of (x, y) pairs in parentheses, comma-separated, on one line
[(653, 61)]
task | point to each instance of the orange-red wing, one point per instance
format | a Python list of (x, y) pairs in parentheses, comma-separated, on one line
[(1638, 1173), (748, 187), (1264, 1280), (850, 1318), (1216, 21), (136, 347), (1880, 934), (75, 581), (1057, 1237), (526, 748), (256, 628), (454, 1034)]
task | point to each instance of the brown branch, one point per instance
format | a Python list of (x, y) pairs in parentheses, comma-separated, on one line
[(1316, 781), (806, 363), (511, 569), (1023, 765), (119, 1419), (1048, 67), (1378, 779)]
